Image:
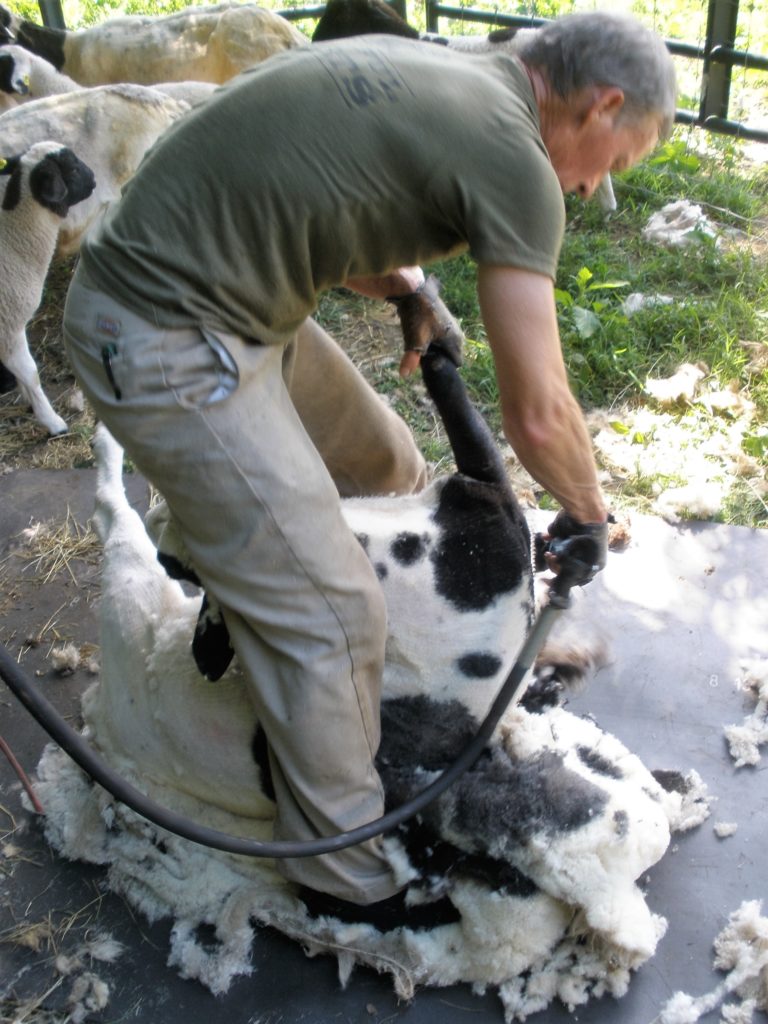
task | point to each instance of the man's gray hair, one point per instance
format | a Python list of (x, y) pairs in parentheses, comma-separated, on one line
[(604, 48)]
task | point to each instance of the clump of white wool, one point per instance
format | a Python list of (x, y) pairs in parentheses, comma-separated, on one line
[(741, 949), (689, 809), (89, 994), (65, 659), (101, 947), (679, 223), (680, 387), (636, 301), (745, 740), (724, 829), (694, 500), (693, 438)]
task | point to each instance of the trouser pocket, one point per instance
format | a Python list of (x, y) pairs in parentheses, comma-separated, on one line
[(122, 358), (197, 367)]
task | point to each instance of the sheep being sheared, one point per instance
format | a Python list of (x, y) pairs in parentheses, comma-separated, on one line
[(537, 847)]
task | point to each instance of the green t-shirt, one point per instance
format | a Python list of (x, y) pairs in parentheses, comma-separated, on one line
[(346, 158)]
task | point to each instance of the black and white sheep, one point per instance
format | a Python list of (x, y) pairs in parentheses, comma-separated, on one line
[(459, 550), (206, 44), (343, 18), (25, 76), (537, 847), (38, 189), (114, 126)]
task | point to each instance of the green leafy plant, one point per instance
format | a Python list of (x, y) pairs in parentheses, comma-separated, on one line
[(676, 156), (756, 443), (582, 306)]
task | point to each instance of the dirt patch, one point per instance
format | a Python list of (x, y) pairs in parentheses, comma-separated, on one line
[(24, 443)]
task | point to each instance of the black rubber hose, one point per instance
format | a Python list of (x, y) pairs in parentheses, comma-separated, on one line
[(75, 746)]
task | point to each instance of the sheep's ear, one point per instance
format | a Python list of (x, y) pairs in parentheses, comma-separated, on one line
[(47, 185)]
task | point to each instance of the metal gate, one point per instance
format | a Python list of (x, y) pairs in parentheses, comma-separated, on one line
[(718, 54)]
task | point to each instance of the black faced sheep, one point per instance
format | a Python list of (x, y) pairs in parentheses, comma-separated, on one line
[(537, 847), (24, 76), (38, 189), (205, 44), (114, 125)]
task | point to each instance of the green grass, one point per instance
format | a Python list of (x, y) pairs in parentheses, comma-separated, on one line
[(720, 293)]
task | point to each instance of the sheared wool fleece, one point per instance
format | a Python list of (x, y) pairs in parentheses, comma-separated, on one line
[(741, 949), (531, 948), (745, 740), (539, 844)]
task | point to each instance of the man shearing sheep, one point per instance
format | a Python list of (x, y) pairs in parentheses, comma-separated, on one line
[(189, 325)]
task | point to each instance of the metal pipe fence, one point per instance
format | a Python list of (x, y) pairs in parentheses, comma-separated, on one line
[(718, 55)]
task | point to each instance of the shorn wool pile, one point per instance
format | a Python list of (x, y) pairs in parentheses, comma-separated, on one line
[(538, 847), (745, 740), (741, 950)]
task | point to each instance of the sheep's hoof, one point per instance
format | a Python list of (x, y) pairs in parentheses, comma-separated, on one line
[(57, 428)]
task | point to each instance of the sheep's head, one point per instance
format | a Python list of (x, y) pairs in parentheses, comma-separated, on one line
[(57, 178), (14, 70)]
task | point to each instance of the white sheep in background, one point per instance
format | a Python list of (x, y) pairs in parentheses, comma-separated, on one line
[(187, 92), (37, 189), (25, 76), (362, 17), (206, 44)]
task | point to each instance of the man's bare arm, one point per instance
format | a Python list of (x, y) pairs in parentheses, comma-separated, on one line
[(541, 418)]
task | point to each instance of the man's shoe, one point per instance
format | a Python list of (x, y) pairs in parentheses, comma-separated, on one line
[(386, 915)]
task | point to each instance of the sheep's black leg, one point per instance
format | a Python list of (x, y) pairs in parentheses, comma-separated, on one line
[(474, 448)]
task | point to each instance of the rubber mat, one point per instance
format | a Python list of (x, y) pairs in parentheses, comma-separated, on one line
[(679, 610)]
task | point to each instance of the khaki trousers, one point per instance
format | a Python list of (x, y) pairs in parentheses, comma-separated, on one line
[(235, 435)]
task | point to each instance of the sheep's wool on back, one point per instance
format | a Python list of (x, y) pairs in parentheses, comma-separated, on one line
[(538, 846)]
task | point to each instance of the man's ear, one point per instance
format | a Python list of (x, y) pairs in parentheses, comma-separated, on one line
[(607, 100)]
